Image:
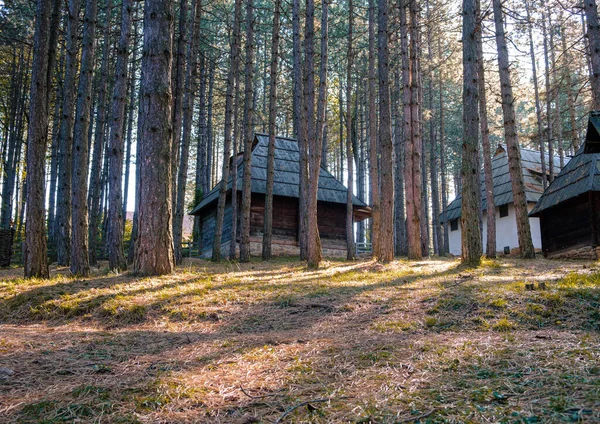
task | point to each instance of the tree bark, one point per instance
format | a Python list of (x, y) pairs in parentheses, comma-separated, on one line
[(179, 75), (538, 109), (268, 229), (248, 134), (188, 114), (386, 243), (94, 197), (512, 142), (549, 128), (490, 249), (79, 235), (154, 250), (116, 254), (593, 35), (373, 141), (350, 246), (36, 260), (63, 213), (470, 220)]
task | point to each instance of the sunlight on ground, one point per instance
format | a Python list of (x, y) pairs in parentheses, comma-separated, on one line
[(350, 342)]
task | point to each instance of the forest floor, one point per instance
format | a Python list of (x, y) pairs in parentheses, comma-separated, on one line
[(271, 342)]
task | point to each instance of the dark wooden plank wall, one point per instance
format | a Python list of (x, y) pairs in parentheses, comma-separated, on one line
[(567, 225)]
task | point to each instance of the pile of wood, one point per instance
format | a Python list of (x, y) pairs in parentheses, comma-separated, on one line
[(6, 240)]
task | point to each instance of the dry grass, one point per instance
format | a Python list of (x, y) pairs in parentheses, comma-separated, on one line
[(351, 342)]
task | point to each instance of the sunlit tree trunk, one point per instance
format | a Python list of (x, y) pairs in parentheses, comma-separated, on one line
[(268, 230), (470, 221), (248, 134), (512, 142), (36, 260), (116, 255), (79, 234), (593, 34), (154, 244), (373, 142)]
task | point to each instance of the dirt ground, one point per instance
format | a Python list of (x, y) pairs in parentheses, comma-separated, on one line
[(272, 342)]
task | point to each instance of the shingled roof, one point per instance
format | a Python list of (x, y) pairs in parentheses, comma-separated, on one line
[(532, 176), (580, 175), (287, 177)]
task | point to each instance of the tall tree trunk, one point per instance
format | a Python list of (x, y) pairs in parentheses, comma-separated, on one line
[(512, 142), (179, 75), (94, 198), (188, 115), (538, 108), (308, 242), (54, 162), (593, 35), (268, 229), (413, 145), (116, 254), (373, 141), (314, 129), (490, 249), (386, 243), (549, 129), (36, 260), (154, 250), (569, 84), (248, 134), (234, 174), (556, 94), (130, 109), (79, 235), (399, 214), (63, 212), (350, 246), (470, 221)]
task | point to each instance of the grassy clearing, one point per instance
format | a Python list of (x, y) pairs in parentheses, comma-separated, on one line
[(360, 342)]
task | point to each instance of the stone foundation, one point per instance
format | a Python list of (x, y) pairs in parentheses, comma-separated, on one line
[(578, 253), (279, 248)]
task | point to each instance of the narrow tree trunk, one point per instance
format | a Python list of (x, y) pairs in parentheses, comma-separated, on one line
[(63, 213), (94, 198), (188, 114), (399, 214), (350, 246), (234, 173), (412, 158), (373, 141), (179, 75), (556, 94), (593, 35), (569, 84), (549, 129), (116, 254), (248, 134), (314, 126), (79, 236), (538, 108), (386, 243), (54, 163), (490, 249), (268, 229), (36, 260), (154, 250), (512, 142), (470, 221)]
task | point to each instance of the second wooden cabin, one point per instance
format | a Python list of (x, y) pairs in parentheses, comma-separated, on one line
[(331, 208)]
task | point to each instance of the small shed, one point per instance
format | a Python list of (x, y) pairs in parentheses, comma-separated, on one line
[(569, 210), (331, 206)]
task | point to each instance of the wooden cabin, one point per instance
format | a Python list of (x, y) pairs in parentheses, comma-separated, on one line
[(331, 207), (506, 225), (569, 210)]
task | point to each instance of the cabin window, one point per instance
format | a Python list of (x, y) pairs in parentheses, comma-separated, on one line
[(454, 225), (503, 211)]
